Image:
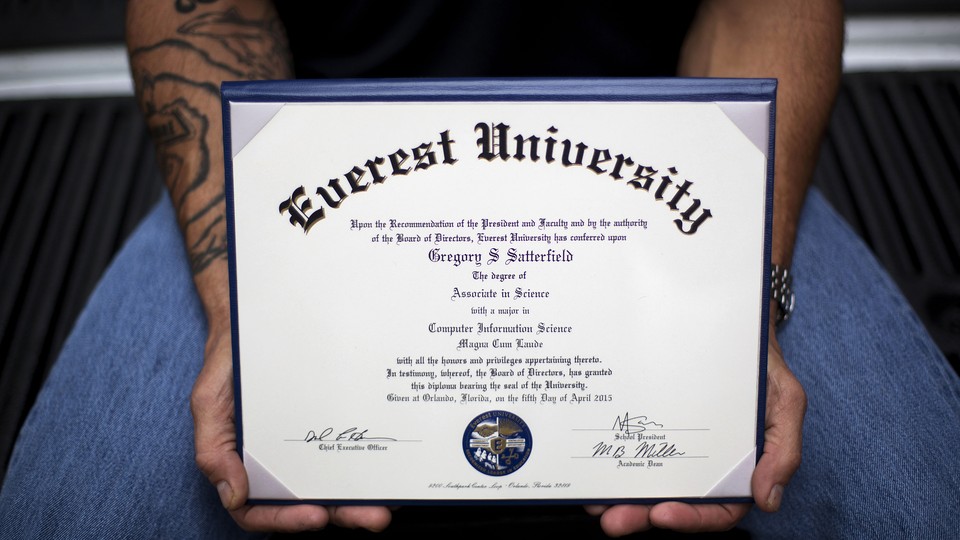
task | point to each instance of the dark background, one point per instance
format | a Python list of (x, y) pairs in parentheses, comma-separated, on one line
[(77, 174)]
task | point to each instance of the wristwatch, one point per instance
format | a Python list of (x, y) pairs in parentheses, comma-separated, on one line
[(781, 291)]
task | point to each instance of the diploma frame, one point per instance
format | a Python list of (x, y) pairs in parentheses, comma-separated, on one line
[(648, 452)]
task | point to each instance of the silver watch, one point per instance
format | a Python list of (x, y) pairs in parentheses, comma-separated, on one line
[(781, 291)]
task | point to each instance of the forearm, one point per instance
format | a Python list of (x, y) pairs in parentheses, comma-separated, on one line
[(180, 52), (798, 42)]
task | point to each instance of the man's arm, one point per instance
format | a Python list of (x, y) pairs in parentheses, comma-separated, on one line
[(798, 42), (180, 51)]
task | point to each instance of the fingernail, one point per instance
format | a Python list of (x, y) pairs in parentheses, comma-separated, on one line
[(776, 495), (226, 494)]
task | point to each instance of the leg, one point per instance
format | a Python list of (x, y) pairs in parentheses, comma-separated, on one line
[(107, 450), (883, 423)]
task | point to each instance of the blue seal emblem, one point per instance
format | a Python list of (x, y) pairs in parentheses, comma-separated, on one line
[(497, 443)]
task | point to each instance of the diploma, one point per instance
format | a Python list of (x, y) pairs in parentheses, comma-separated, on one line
[(499, 290)]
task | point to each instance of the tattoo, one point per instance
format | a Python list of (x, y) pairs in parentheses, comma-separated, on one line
[(209, 246), (186, 6), (180, 135), (215, 46), (178, 128), (187, 49), (237, 34)]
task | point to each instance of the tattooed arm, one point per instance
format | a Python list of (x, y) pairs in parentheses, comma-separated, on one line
[(180, 51)]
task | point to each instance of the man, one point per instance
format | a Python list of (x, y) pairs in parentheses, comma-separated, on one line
[(182, 50)]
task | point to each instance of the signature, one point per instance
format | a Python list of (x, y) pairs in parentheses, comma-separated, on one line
[(644, 449), (350, 434), (633, 424)]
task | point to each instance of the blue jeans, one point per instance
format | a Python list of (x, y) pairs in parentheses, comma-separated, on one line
[(108, 449)]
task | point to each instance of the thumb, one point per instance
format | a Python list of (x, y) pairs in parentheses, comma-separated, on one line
[(785, 409), (215, 436)]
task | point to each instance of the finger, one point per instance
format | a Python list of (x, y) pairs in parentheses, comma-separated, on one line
[(691, 518), (215, 438), (625, 519), (284, 519), (595, 509), (226, 472), (372, 518), (783, 439)]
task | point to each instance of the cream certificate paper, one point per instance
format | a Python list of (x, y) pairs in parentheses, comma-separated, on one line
[(494, 300)]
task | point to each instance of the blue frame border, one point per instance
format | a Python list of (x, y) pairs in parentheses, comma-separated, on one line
[(506, 90)]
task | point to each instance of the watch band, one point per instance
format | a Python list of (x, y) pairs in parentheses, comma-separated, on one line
[(781, 291)]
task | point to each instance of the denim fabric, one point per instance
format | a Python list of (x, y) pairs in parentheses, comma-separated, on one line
[(107, 451), (882, 431)]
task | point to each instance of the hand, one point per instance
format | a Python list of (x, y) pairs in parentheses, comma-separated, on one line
[(216, 446), (786, 406)]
